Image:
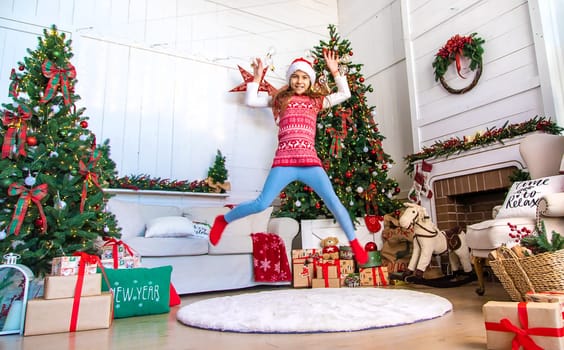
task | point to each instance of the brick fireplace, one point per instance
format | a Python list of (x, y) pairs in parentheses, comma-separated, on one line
[(468, 199), (468, 185)]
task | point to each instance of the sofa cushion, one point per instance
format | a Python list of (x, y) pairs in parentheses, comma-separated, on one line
[(236, 238), (168, 246), (128, 216), (524, 196), (169, 226), (491, 234)]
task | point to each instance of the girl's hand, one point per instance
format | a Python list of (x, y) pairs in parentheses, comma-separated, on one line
[(332, 61), (257, 70)]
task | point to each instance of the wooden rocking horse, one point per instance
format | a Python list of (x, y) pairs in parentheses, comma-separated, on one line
[(428, 240)]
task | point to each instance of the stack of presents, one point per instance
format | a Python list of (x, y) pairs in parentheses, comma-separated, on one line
[(334, 267), (85, 292)]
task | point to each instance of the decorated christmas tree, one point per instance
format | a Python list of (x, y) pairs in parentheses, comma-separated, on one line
[(349, 145), (51, 170)]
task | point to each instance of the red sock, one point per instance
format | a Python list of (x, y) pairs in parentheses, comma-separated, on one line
[(359, 253), (217, 229)]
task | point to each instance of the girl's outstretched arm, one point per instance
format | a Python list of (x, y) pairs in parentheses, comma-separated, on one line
[(252, 97), (343, 91)]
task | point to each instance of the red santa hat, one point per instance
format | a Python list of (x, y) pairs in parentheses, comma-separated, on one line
[(303, 65)]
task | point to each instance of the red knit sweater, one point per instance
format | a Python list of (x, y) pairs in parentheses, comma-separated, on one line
[(296, 133)]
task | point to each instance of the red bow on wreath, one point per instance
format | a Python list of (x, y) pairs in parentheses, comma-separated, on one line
[(17, 130), (58, 78)]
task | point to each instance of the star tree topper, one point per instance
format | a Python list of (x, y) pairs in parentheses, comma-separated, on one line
[(248, 78)]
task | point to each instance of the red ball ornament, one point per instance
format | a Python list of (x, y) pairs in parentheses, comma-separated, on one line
[(31, 140), (317, 205), (397, 213), (370, 247), (282, 195), (373, 151), (21, 68), (350, 53), (84, 124), (38, 222), (348, 174), (397, 190), (361, 79), (384, 166)]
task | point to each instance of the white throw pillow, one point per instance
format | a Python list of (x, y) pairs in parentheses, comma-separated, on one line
[(524, 196), (169, 226)]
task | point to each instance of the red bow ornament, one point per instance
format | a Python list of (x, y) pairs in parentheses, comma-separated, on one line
[(35, 195), (59, 78), (17, 131), (89, 176)]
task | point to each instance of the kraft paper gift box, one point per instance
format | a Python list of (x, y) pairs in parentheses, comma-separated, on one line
[(328, 269), (347, 267), (306, 253), (326, 283), (526, 323), (57, 287), (374, 276), (302, 272), (68, 266), (54, 315)]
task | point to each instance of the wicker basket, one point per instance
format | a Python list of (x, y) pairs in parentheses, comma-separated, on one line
[(538, 273)]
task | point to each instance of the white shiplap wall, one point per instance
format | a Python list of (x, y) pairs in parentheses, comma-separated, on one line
[(509, 89)]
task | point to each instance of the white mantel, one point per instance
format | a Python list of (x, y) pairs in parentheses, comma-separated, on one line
[(172, 198), (492, 157)]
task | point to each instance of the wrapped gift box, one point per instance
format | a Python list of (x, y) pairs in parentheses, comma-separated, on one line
[(347, 268), (374, 276), (68, 266), (302, 272), (45, 316), (546, 297), (544, 324), (56, 287), (125, 257), (306, 253), (127, 262), (326, 283), (328, 269)]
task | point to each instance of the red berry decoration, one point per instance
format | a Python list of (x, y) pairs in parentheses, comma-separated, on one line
[(84, 124), (31, 140), (370, 247), (350, 53)]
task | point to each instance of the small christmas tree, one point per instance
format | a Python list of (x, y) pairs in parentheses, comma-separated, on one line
[(349, 145), (217, 175), (51, 170)]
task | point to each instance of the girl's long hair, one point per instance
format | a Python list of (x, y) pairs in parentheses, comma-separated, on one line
[(282, 97)]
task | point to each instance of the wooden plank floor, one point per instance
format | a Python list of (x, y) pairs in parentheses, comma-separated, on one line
[(461, 329)]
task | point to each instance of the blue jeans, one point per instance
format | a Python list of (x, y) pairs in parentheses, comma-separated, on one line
[(279, 177)]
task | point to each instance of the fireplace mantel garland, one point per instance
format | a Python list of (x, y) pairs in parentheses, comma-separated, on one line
[(457, 145)]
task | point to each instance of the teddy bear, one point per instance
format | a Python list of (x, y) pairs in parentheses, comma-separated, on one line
[(330, 249)]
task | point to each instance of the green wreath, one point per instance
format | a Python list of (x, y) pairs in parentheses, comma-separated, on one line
[(468, 46)]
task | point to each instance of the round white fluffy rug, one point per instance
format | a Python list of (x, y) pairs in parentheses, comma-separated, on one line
[(314, 310)]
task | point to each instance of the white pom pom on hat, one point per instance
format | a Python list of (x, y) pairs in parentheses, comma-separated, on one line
[(303, 65)]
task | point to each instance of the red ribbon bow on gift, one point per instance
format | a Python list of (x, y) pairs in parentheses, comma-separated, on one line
[(15, 123), (85, 259), (89, 176), (115, 243), (58, 77), (35, 195), (523, 335)]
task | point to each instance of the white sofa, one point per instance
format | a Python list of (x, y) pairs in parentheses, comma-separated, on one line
[(158, 233)]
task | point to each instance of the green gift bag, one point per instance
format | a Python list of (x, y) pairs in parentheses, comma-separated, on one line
[(139, 291)]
